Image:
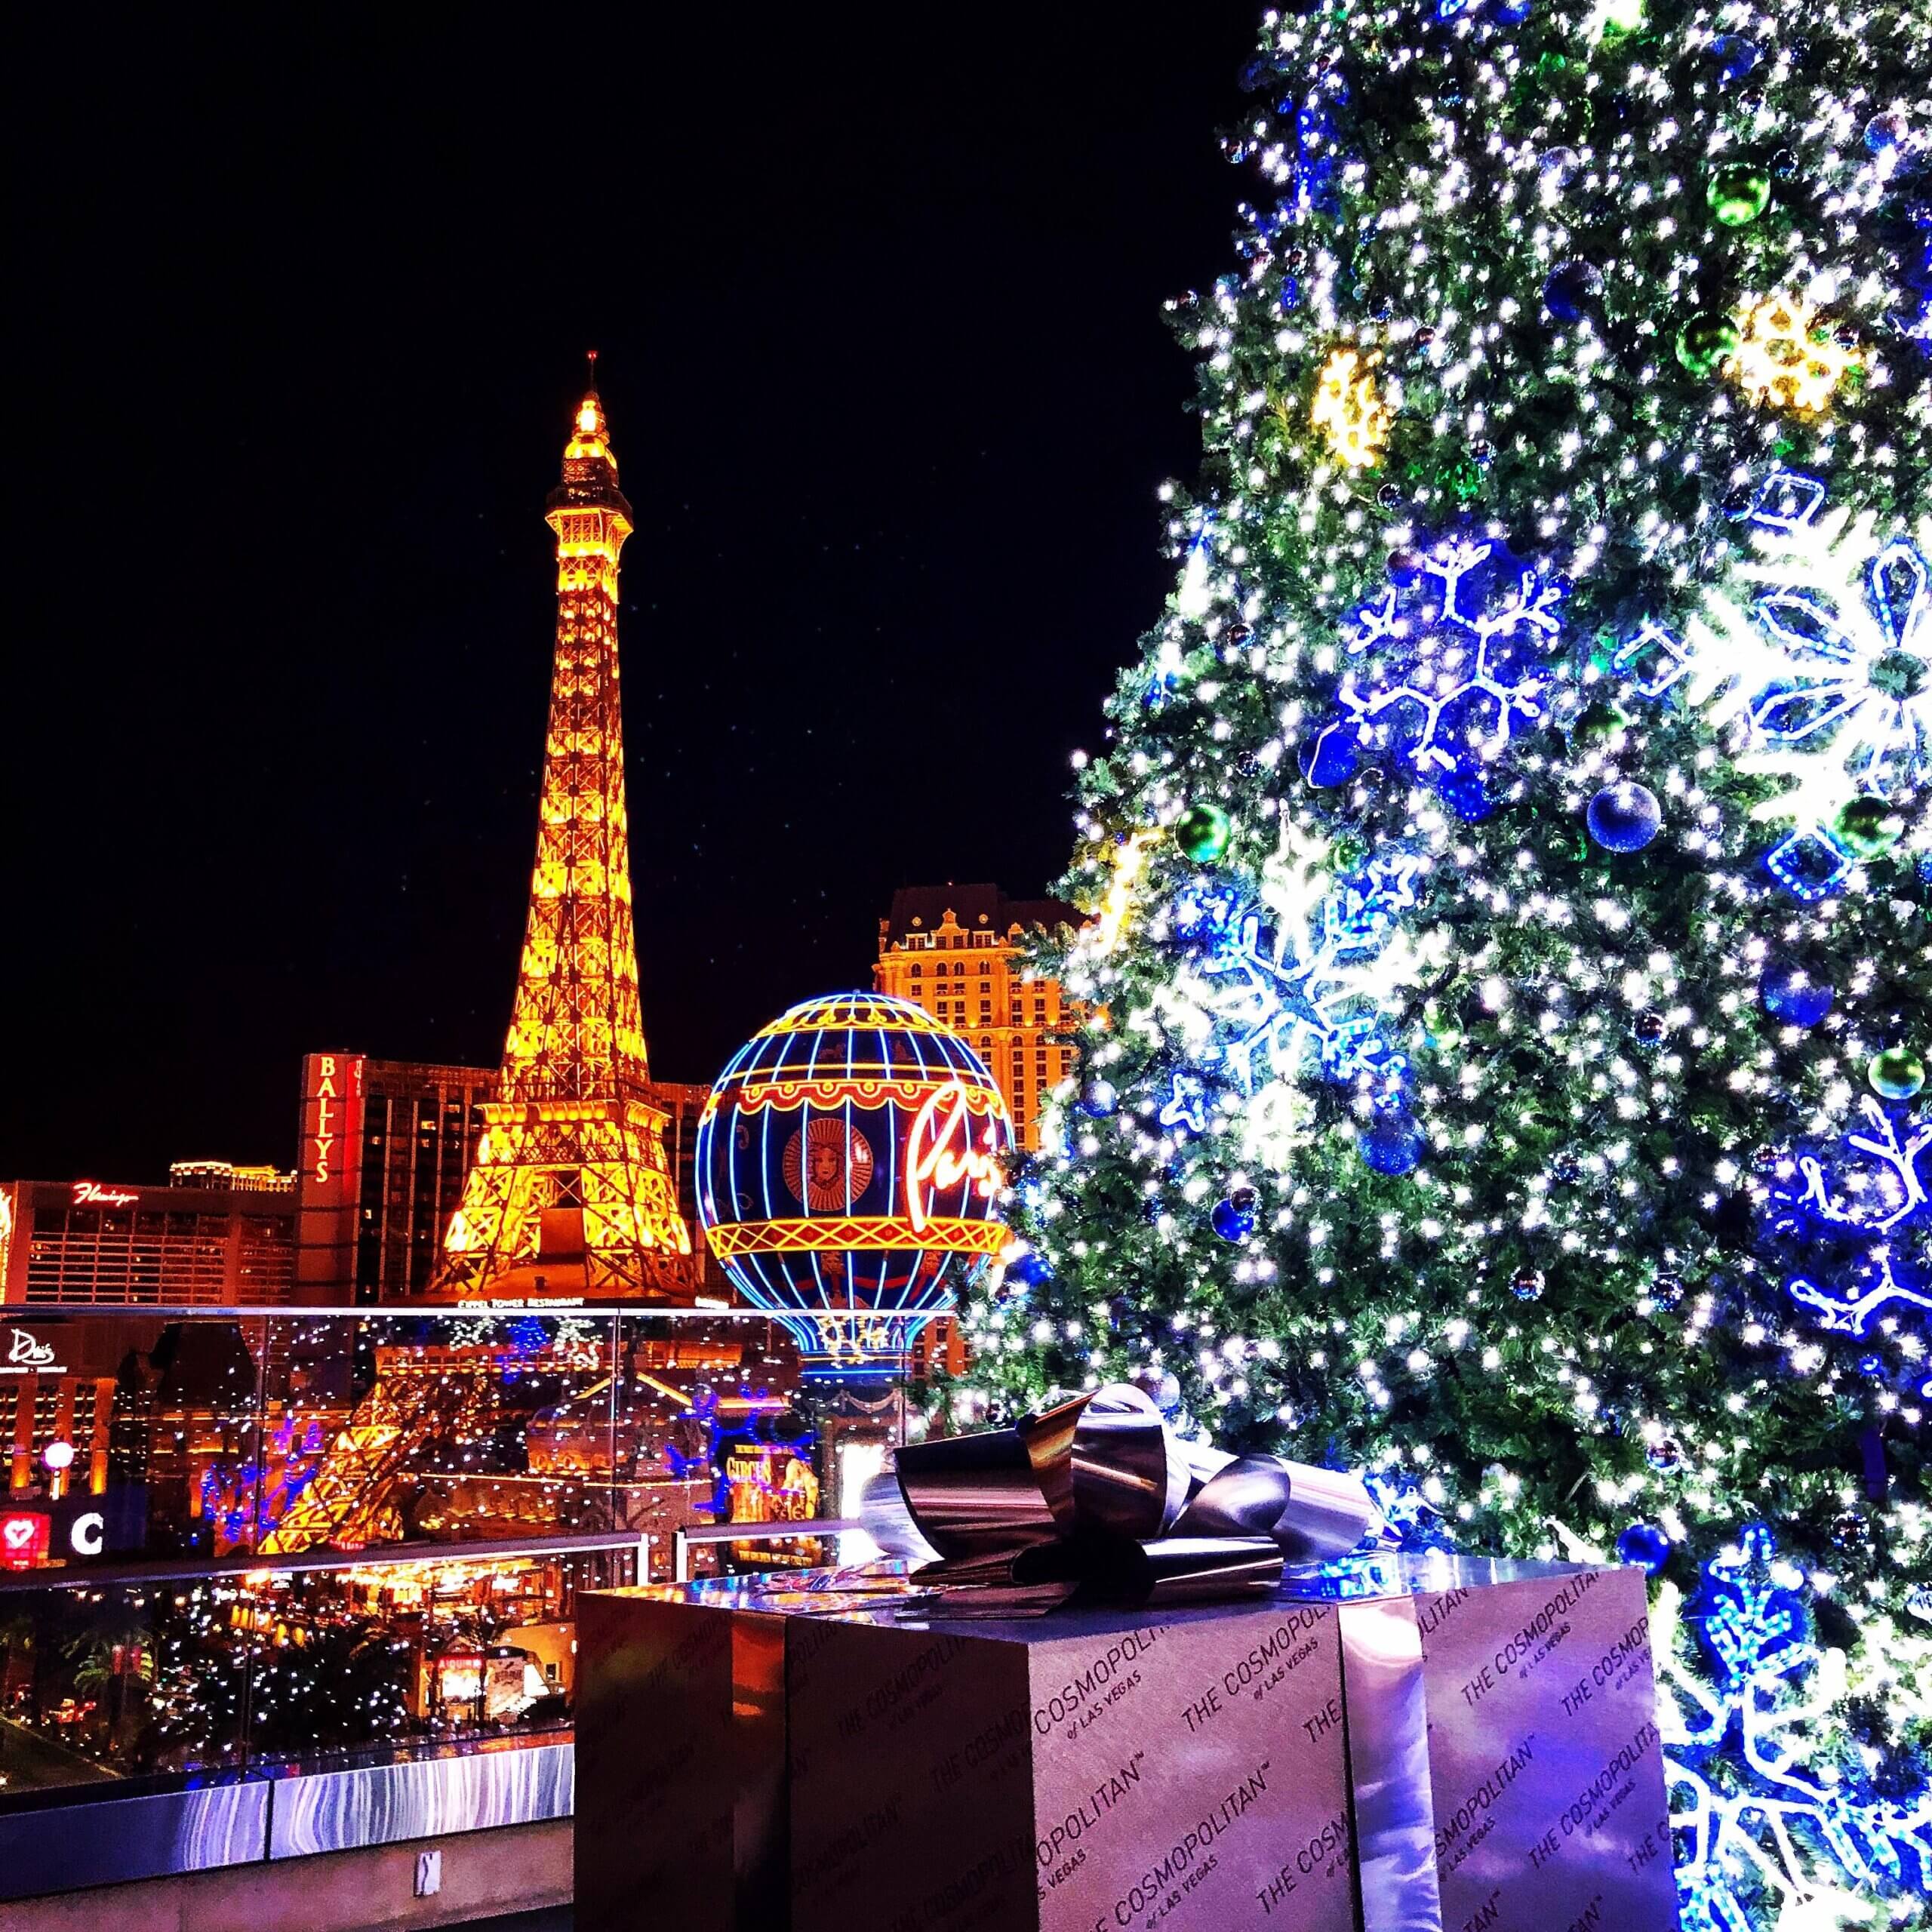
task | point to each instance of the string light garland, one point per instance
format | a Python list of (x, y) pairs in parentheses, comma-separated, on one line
[(1554, 1260)]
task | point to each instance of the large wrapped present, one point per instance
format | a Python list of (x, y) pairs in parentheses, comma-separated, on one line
[(1391, 1743)]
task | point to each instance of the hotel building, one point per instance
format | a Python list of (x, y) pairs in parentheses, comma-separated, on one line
[(215, 1236), (955, 951)]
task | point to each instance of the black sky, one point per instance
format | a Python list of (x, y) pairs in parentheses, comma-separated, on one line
[(299, 320)]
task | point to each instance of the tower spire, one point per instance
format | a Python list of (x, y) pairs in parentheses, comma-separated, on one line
[(570, 1193)]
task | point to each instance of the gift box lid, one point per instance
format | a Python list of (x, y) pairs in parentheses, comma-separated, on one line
[(888, 1594)]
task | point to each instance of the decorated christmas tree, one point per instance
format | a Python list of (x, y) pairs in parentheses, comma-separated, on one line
[(1510, 861)]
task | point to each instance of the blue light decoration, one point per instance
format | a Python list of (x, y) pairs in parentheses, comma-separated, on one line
[(1186, 1104), (528, 1334), (849, 1161), (696, 1455), (1452, 662), (1851, 1203), (1784, 501), (1819, 654), (1281, 999), (1415, 1522), (246, 1501), (1772, 1828), (1316, 152), (1871, 1188), (1916, 319)]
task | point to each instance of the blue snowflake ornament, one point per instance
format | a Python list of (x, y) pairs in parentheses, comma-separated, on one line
[(1782, 1822), (1840, 1215), (1446, 667), (1281, 994)]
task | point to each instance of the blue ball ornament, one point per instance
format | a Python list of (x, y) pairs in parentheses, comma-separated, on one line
[(1644, 1543), (1557, 165), (1624, 817), (1885, 131), (1331, 756), (1028, 1269), (1465, 794), (1234, 1218), (1099, 1100), (1392, 1147), (1790, 994), (1573, 289), (1735, 56)]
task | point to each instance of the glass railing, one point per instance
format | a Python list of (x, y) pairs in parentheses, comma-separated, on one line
[(162, 1433), (245, 1539), (321, 1664)]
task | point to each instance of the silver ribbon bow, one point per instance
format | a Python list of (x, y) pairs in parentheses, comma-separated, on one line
[(1096, 1496)]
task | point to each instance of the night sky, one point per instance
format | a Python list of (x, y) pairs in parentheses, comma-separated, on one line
[(299, 318)]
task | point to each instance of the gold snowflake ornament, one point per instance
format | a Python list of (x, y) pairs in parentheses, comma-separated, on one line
[(1349, 410), (1784, 359)]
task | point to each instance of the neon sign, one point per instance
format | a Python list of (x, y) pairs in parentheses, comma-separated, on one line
[(26, 1351), (939, 1154), (23, 1535), (91, 1194), (322, 1137)]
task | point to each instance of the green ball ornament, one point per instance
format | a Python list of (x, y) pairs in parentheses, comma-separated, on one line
[(1202, 832), (1739, 193), (1896, 1074), (1867, 827), (1595, 722), (1705, 341)]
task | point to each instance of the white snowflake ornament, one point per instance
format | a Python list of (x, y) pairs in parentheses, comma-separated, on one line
[(1818, 655)]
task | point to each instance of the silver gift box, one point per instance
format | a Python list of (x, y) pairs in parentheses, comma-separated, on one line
[(1403, 1745)]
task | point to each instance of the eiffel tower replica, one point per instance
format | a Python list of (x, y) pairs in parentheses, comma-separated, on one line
[(569, 1194)]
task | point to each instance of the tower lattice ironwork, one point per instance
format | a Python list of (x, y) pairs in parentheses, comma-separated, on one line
[(570, 1193)]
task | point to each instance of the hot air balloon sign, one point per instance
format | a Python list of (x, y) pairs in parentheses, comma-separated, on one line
[(850, 1161)]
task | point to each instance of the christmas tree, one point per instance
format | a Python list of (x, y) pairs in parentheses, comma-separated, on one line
[(1510, 861)]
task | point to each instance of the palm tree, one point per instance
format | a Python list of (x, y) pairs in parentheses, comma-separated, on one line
[(116, 1647)]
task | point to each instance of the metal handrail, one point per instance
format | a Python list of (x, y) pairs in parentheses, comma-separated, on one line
[(682, 1540)]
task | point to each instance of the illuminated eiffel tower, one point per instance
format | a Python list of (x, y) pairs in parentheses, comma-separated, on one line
[(569, 1194)]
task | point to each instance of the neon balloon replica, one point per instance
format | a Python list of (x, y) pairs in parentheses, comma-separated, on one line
[(849, 1160)]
